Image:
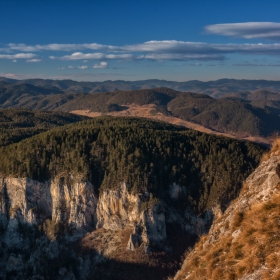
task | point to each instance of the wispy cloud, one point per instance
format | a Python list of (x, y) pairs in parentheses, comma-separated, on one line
[(166, 50), (247, 30), (21, 76), (176, 50), (257, 64), (58, 47), (83, 67), (196, 64), (18, 56), (102, 64), (92, 56), (34, 60), (80, 56)]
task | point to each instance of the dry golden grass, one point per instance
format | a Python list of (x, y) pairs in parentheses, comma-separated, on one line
[(256, 246), (148, 111), (275, 148)]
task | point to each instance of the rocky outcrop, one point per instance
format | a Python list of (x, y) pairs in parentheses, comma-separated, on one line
[(118, 208), (69, 205), (33, 202), (234, 246), (26, 206), (259, 187), (74, 203), (149, 231)]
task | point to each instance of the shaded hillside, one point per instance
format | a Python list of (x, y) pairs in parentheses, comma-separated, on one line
[(101, 102), (255, 95), (232, 116), (243, 242), (18, 124), (145, 154), (17, 89)]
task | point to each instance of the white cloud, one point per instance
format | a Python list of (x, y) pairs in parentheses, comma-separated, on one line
[(58, 47), (165, 50), (119, 56), (92, 56), (33, 60), (177, 50), (80, 56), (71, 67), (183, 57), (247, 30), (14, 60), (83, 67), (101, 65), (18, 56)]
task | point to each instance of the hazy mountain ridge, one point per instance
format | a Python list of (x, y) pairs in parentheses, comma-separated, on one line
[(215, 89)]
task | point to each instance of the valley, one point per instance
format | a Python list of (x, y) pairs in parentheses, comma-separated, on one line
[(135, 184), (152, 112), (87, 192)]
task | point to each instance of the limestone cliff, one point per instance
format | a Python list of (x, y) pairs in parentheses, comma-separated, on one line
[(34, 202), (118, 208), (42, 220)]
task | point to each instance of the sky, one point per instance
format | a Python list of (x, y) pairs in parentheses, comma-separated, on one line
[(135, 40)]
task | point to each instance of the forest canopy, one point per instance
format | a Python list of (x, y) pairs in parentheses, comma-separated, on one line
[(147, 155)]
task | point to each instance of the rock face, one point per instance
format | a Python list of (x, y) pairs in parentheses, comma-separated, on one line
[(33, 202), (118, 208), (149, 231), (25, 206), (259, 187), (253, 216), (31, 198), (74, 204), (32, 212)]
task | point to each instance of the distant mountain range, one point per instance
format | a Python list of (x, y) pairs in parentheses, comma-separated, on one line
[(248, 111), (215, 89)]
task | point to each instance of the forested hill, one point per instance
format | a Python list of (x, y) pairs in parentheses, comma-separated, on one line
[(147, 155), (18, 124), (237, 117), (241, 118)]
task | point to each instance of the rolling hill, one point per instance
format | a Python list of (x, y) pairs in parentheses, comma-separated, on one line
[(240, 115)]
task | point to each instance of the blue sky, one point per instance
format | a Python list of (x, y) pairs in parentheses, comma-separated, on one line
[(134, 40)]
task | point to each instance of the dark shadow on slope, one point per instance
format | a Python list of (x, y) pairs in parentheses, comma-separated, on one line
[(126, 265)]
